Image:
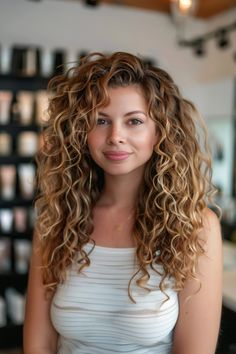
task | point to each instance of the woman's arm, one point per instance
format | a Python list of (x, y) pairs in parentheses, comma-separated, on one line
[(197, 327), (39, 335)]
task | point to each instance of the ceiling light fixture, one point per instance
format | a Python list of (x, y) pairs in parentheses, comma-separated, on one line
[(91, 2), (221, 35), (199, 48), (185, 7), (181, 11), (222, 38)]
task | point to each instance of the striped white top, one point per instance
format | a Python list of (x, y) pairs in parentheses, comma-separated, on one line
[(93, 313)]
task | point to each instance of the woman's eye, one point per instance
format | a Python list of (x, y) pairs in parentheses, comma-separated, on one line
[(136, 121), (101, 121)]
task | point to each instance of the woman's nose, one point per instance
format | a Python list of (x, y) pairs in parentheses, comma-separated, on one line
[(116, 135)]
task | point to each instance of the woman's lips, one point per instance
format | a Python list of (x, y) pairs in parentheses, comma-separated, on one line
[(116, 155)]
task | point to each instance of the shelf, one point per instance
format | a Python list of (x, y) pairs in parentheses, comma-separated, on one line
[(13, 280), (227, 330), (11, 336), (12, 276), (17, 235), (17, 128), (20, 83), (16, 159), (16, 202)]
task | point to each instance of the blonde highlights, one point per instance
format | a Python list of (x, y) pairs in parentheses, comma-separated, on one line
[(177, 181)]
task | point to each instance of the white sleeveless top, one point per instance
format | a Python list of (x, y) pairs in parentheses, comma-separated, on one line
[(93, 313)]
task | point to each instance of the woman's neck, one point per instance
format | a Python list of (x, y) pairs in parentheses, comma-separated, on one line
[(120, 192)]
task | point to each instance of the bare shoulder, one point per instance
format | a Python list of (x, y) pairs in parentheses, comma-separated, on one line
[(211, 264), (210, 218), (211, 231)]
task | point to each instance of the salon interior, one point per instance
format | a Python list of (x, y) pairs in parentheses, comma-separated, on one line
[(194, 40)]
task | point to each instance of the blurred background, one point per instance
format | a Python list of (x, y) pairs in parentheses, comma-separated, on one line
[(194, 40)]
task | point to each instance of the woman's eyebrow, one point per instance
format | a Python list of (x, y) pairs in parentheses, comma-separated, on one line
[(127, 114), (135, 112), (103, 114)]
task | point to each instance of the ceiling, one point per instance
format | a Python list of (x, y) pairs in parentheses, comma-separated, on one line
[(206, 8)]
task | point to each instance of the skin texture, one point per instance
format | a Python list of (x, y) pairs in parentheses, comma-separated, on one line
[(120, 128), (117, 130)]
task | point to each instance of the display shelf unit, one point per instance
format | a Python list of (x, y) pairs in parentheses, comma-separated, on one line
[(11, 334), (14, 278), (18, 83), (227, 337), (14, 128), (15, 160), (15, 202)]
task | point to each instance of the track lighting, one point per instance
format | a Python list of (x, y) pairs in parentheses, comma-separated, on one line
[(199, 47), (183, 7), (222, 38), (91, 2), (221, 35)]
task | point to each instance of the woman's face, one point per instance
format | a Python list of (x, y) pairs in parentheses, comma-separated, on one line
[(124, 135)]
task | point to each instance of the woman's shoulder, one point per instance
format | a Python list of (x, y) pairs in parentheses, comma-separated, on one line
[(210, 219), (211, 230)]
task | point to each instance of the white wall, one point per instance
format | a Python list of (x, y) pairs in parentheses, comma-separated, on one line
[(214, 98), (71, 25), (221, 135), (220, 64), (215, 101)]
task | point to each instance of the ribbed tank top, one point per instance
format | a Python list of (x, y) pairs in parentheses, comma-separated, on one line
[(93, 313)]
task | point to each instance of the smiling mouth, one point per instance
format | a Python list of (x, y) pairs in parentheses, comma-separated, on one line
[(116, 155)]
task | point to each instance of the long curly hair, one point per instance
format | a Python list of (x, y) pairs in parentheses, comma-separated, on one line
[(176, 186)]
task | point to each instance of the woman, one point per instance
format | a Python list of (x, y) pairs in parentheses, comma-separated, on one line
[(126, 254)]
